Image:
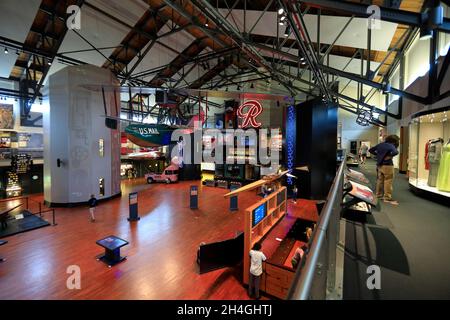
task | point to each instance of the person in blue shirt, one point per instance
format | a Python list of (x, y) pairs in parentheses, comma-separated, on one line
[(384, 153)]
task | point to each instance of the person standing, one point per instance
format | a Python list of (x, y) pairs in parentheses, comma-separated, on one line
[(384, 152), (92, 202), (256, 260), (295, 193), (363, 153)]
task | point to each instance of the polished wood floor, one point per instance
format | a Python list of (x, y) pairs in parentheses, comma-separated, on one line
[(160, 257)]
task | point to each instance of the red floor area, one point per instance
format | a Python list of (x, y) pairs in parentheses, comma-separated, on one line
[(161, 254)]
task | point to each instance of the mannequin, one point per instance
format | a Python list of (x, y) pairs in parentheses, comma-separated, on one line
[(434, 158), (443, 179)]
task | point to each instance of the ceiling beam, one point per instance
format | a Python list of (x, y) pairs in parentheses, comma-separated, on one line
[(386, 14)]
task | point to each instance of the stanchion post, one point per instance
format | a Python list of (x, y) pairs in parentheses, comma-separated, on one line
[(193, 197)]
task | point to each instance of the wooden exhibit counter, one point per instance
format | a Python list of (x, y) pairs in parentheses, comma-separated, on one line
[(280, 234)]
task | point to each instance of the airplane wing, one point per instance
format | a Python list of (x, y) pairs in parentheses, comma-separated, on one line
[(256, 184), (247, 187)]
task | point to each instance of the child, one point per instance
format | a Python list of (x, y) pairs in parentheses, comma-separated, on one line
[(256, 260), (92, 204)]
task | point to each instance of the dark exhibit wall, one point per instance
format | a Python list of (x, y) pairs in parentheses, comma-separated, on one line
[(316, 147), (31, 182)]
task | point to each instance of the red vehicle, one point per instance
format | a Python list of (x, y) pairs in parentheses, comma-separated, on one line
[(169, 175)]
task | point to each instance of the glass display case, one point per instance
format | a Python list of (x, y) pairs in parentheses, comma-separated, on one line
[(429, 154)]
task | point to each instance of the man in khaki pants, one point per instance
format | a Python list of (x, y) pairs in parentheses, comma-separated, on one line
[(384, 152)]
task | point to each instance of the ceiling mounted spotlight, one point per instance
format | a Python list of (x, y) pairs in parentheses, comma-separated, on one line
[(386, 88), (364, 118), (252, 86), (283, 18), (426, 34), (49, 63), (6, 50), (287, 32), (280, 11), (238, 88), (17, 52)]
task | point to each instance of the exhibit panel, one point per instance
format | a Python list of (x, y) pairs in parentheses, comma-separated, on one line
[(429, 153)]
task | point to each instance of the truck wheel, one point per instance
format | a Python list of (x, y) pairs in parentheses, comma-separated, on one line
[(149, 180)]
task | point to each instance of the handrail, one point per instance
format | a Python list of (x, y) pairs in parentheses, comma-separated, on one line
[(27, 201), (11, 209), (300, 290)]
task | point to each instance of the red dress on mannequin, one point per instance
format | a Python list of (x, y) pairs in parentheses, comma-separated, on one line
[(427, 164)]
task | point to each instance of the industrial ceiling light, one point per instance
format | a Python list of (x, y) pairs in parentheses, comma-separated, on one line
[(386, 88), (426, 34), (434, 18), (287, 32)]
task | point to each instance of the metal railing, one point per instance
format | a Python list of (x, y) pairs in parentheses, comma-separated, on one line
[(316, 277), (27, 206)]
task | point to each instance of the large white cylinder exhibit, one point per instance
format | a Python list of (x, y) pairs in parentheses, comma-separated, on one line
[(81, 154)]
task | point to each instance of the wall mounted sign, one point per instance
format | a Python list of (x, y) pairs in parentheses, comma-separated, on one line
[(249, 111)]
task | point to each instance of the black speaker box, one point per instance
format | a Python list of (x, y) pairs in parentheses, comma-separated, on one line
[(161, 97), (111, 123)]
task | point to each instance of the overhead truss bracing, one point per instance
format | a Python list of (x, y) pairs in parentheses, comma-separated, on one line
[(188, 54), (250, 57), (46, 35), (143, 34)]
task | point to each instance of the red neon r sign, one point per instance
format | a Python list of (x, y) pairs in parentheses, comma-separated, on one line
[(254, 110)]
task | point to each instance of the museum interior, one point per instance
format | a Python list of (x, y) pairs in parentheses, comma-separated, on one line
[(224, 150)]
